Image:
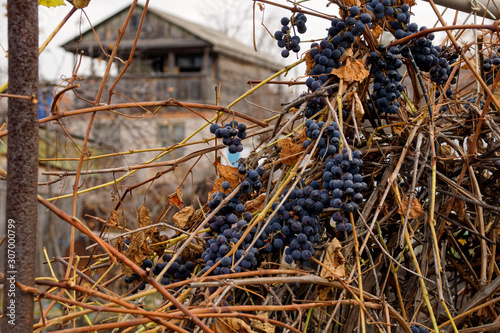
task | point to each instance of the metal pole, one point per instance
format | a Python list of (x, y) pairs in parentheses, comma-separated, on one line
[(467, 6), (22, 166)]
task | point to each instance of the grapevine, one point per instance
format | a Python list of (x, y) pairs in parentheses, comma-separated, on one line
[(366, 203)]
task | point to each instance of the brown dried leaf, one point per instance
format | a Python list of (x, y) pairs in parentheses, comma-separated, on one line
[(256, 204), (290, 152), (262, 326), (352, 71), (459, 207), (309, 60), (227, 173), (157, 238), (325, 293), (80, 4), (137, 251), (143, 217), (444, 150), (113, 219), (377, 31), (351, 2), (409, 2), (197, 216), (334, 261), (415, 211), (176, 198), (359, 111), (345, 55), (196, 248), (231, 325), (182, 217)]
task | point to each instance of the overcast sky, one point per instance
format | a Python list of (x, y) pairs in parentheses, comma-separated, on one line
[(55, 62)]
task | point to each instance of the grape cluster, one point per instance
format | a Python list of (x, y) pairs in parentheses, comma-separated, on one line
[(387, 86), (342, 179), (473, 100), (252, 177), (387, 8), (231, 134), (252, 180), (418, 329), (285, 40), (296, 223), (140, 284), (328, 53), (176, 272), (433, 59), (228, 226), (230, 230), (490, 67), (328, 142)]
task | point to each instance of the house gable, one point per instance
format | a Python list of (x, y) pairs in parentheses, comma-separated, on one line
[(162, 31)]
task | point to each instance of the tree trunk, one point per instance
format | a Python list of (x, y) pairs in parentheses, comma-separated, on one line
[(22, 165)]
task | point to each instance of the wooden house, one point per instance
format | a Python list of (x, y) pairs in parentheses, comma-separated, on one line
[(176, 58), (173, 58)]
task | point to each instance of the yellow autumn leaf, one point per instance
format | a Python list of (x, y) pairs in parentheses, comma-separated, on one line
[(51, 3)]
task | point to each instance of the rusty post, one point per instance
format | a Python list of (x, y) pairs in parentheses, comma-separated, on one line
[(22, 166)]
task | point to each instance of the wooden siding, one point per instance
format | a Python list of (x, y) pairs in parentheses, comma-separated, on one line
[(154, 29)]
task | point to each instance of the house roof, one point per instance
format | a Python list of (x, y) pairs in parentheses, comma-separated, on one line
[(219, 42)]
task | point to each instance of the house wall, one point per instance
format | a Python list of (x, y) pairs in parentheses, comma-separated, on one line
[(234, 75)]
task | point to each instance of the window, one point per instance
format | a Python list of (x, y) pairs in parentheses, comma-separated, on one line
[(171, 133), (157, 64), (134, 21), (189, 62)]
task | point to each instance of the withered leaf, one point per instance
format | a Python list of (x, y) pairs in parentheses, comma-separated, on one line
[(137, 251), (176, 198), (256, 204), (290, 152), (334, 262), (157, 238), (347, 54), (415, 210), (262, 326), (325, 293), (143, 217), (444, 150), (231, 325), (51, 3), (197, 216), (377, 31), (409, 2), (359, 111), (196, 248), (351, 3), (227, 173), (309, 60), (80, 4), (352, 71), (112, 219), (182, 217), (459, 208)]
